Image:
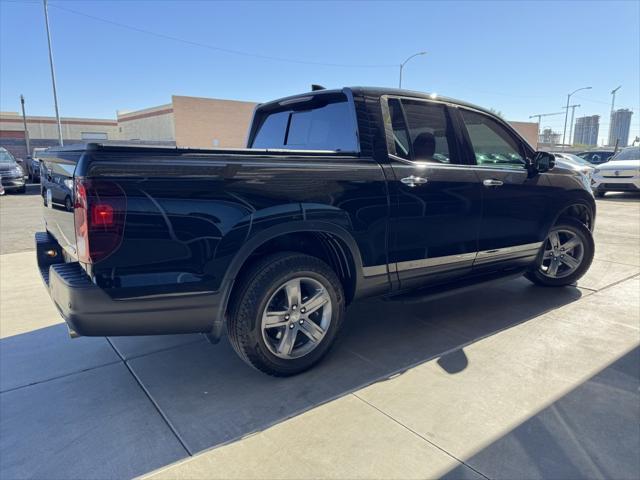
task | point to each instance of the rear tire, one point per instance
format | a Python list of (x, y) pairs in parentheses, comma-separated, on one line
[(289, 340), (565, 274)]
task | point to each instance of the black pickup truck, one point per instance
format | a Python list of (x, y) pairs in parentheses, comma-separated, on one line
[(341, 194)]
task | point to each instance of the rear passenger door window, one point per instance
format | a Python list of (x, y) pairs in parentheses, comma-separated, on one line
[(401, 141), (422, 131), (432, 138), (493, 145)]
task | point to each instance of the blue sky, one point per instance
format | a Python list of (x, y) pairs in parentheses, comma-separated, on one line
[(521, 58)]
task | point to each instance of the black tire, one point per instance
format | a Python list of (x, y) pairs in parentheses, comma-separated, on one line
[(600, 194), (67, 204), (257, 286), (537, 277), (22, 190)]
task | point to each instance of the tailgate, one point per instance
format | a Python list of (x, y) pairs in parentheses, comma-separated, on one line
[(58, 197)]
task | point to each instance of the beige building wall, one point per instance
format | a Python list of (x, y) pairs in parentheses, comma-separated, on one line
[(210, 122), (47, 128), (156, 123), (529, 130)]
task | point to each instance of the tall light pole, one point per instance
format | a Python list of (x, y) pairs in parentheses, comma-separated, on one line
[(566, 114), (404, 63), (53, 73), (26, 132), (613, 101)]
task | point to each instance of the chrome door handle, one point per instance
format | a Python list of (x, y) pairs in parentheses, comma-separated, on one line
[(414, 181), (492, 182)]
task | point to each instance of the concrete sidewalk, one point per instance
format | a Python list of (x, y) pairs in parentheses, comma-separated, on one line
[(555, 397), (509, 381)]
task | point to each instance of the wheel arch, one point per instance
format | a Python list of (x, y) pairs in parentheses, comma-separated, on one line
[(334, 244), (578, 209)]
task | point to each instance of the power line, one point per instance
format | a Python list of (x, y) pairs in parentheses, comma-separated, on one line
[(219, 49)]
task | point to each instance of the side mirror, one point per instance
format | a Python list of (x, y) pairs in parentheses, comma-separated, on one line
[(543, 162)]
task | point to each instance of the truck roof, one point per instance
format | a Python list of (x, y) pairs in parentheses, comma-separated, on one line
[(377, 92)]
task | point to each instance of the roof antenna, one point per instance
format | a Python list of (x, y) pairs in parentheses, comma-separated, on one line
[(315, 87)]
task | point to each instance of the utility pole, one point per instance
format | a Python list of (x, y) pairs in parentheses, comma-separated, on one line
[(613, 102), (26, 132), (566, 113), (573, 110), (53, 73)]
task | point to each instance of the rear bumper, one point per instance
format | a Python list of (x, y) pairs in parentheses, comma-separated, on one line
[(89, 311)]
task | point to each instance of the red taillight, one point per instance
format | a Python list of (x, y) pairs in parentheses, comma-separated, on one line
[(102, 215), (99, 211)]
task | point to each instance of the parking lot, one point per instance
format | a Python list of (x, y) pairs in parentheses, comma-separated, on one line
[(511, 380)]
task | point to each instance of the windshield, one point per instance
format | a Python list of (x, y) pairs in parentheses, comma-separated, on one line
[(632, 153), (6, 157), (577, 159), (571, 158)]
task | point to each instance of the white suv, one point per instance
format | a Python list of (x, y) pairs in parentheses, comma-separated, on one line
[(620, 174)]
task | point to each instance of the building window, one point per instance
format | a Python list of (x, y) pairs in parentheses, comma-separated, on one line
[(94, 136)]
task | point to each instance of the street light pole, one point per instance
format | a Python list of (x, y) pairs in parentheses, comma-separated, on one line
[(566, 114), (53, 73), (403, 64), (26, 132)]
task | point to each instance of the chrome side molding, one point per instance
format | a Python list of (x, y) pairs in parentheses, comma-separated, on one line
[(473, 257)]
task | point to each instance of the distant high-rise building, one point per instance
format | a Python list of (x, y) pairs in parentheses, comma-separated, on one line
[(549, 137), (586, 130), (619, 128)]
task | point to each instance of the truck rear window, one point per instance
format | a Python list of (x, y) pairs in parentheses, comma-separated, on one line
[(323, 127)]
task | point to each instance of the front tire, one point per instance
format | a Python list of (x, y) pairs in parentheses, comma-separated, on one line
[(566, 255), (287, 313)]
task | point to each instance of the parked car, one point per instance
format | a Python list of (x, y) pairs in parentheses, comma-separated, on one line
[(341, 194), (34, 164), (11, 174), (596, 157), (57, 189), (620, 174), (573, 162)]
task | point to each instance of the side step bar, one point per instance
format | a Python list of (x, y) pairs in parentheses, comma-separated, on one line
[(445, 290)]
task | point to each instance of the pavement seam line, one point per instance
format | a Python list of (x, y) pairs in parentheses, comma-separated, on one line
[(462, 462), (630, 277), (142, 355), (153, 402), (57, 377)]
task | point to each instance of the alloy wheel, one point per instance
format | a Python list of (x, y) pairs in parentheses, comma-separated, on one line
[(563, 254), (296, 318)]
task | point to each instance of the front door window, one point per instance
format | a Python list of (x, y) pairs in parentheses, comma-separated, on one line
[(492, 144)]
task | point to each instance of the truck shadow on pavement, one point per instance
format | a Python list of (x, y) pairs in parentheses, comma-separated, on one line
[(177, 395)]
